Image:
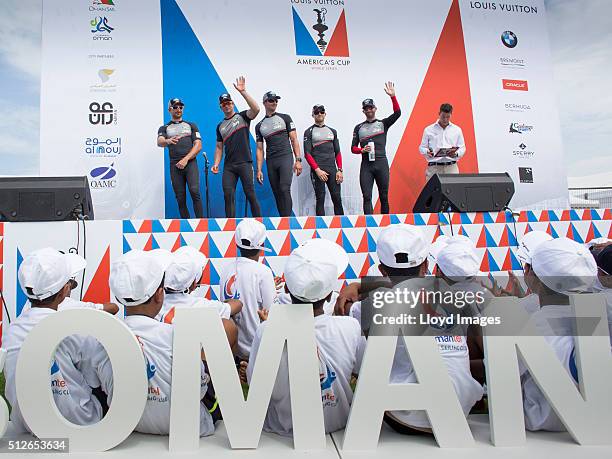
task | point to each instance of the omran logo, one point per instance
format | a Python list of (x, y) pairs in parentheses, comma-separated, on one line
[(315, 37)]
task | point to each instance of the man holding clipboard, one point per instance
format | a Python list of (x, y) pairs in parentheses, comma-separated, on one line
[(442, 144)]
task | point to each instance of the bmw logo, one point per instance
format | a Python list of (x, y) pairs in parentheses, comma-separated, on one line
[(509, 39)]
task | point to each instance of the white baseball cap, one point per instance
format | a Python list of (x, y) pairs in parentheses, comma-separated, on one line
[(250, 234), (458, 259), (402, 246), (198, 258), (325, 251), (528, 244), (310, 272), (564, 266), (181, 272), (136, 276), (44, 272)]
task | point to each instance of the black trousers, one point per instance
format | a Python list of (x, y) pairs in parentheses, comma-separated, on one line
[(280, 174), (190, 177), (332, 186), (375, 171), (231, 174)]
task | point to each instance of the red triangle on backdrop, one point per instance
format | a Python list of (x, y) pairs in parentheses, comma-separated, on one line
[(408, 167), (98, 290), (338, 45)]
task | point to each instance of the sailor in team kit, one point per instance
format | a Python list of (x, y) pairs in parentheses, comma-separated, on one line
[(369, 141), (322, 152), (278, 132), (233, 137)]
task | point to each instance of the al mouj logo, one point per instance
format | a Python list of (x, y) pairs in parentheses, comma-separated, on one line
[(520, 128), (102, 5), (100, 28), (103, 178), (509, 39), (105, 81), (102, 113), (102, 147), (523, 152), (321, 40), (515, 85)]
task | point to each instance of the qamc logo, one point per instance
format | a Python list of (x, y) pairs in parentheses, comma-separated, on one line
[(509, 39), (515, 85), (103, 177), (319, 28)]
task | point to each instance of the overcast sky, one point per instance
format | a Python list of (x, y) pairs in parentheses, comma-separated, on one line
[(581, 39)]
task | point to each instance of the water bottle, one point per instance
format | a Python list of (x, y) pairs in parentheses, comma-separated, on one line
[(372, 153)]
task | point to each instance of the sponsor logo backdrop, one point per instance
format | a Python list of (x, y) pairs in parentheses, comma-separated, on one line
[(108, 71)]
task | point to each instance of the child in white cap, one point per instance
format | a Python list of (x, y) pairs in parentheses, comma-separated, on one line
[(46, 277), (526, 248), (249, 281), (137, 281), (181, 278), (311, 273), (402, 251), (559, 267), (602, 252)]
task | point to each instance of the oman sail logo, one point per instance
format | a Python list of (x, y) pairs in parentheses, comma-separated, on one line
[(319, 27)]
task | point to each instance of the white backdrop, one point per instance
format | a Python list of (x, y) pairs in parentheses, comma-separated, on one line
[(141, 62)]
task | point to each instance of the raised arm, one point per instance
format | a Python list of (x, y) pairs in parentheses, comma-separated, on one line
[(240, 86)]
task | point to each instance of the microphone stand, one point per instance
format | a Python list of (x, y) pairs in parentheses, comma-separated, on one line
[(206, 164)]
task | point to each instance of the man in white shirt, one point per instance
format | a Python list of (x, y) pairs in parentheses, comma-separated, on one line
[(442, 144), (181, 278), (310, 277), (137, 281), (249, 281), (559, 267), (46, 277)]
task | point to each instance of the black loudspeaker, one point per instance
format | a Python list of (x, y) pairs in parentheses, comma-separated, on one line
[(465, 193), (33, 199)]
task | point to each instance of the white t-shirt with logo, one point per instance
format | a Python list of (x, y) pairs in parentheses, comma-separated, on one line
[(174, 300), (155, 338), (539, 415), (252, 283), (340, 349), (72, 373)]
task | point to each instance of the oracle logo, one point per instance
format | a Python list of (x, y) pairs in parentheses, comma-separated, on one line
[(515, 85)]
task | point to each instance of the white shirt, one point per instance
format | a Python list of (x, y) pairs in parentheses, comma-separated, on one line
[(454, 351), (174, 300), (436, 137), (328, 306), (72, 374), (340, 350), (539, 415), (155, 339), (252, 283)]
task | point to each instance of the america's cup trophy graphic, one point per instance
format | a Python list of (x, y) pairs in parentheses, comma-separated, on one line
[(320, 27)]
